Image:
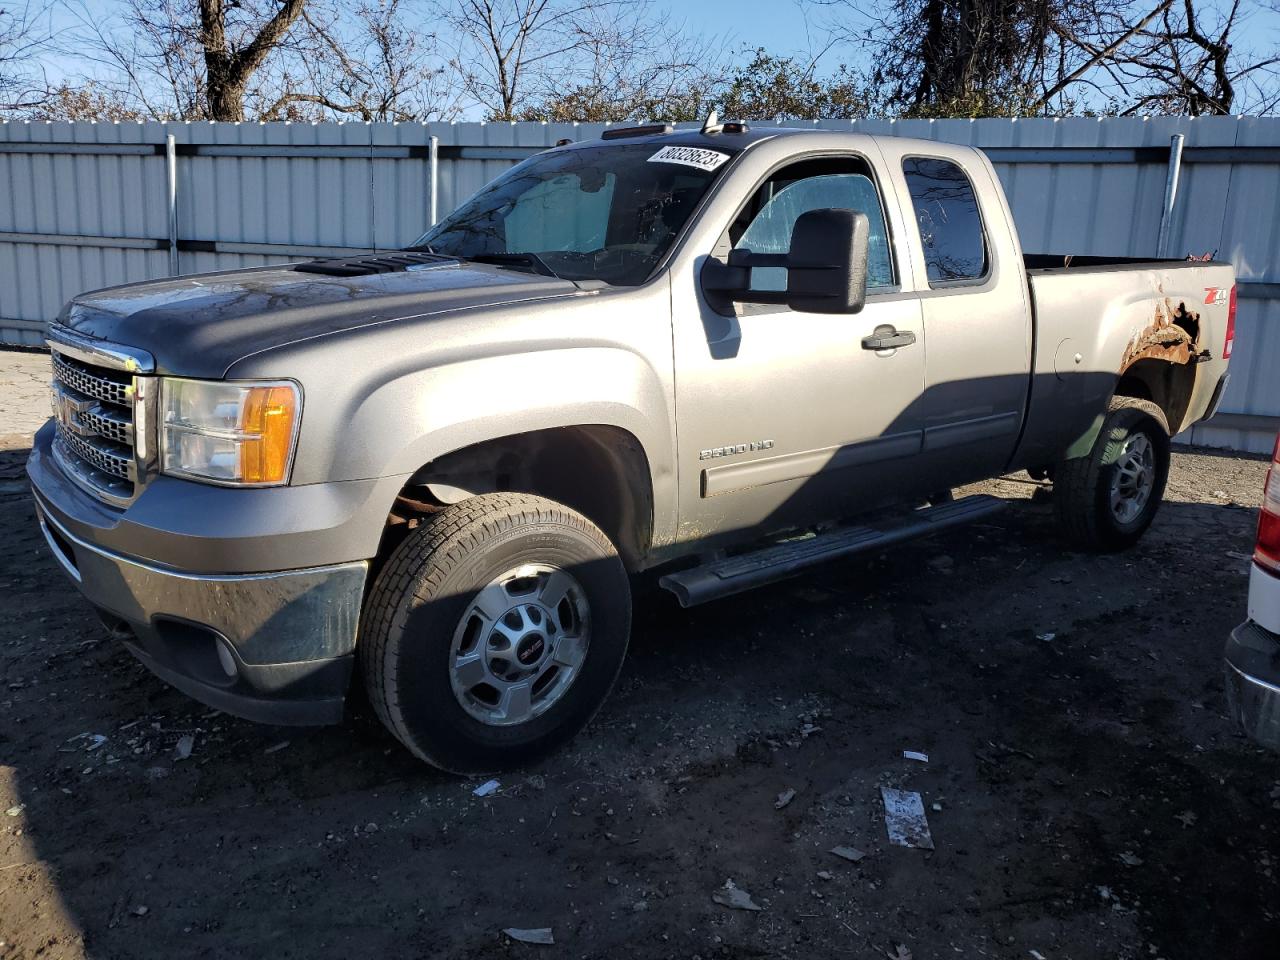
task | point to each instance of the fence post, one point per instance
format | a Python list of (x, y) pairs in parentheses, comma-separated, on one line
[(171, 173), (1170, 194), (433, 151)]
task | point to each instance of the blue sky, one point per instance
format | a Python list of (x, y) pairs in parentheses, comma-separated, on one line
[(776, 24)]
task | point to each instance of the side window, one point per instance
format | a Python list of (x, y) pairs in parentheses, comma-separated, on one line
[(947, 216), (765, 225)]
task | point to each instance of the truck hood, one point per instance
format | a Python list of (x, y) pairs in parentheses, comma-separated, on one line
[(199, 326)]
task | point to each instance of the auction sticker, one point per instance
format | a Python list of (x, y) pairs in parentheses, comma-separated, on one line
[(690, 157)]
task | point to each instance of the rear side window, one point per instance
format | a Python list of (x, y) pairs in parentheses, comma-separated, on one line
[(948, 219)]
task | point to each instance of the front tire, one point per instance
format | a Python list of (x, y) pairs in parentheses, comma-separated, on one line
[(1107, 499), (495, 631)]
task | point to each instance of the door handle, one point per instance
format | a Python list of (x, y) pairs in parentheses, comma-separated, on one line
[(888, 338)]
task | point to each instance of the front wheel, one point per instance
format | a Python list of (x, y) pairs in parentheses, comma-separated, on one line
[(495, 631), (1107, 499)]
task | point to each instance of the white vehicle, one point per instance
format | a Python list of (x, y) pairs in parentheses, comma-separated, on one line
[(1253, 650)]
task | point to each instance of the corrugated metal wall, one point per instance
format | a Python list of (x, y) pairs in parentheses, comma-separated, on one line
[(86, 205)]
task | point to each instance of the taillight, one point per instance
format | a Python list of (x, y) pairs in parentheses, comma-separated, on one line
[(1267, 551), (1231, 324)]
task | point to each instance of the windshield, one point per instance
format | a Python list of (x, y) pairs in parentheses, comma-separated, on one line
[(593, 213)]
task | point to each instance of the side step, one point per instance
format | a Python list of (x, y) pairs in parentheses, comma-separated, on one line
[(744, 571)]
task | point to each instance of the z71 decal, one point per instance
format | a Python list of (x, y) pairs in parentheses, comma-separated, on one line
[(1216, 296)]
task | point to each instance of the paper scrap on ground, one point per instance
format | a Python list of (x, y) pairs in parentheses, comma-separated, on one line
[(916, 755), (852, 854), (904, 819), (540, 935), (730, 896), (488, 788), (784, 798)]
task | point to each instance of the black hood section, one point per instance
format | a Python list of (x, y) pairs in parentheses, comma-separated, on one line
[(199, 326)]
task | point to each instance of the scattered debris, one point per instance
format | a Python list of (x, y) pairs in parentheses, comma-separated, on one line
[(1037, 955), (915, 755), (277, 748), (537, 782), (95, 741), (942, 564), (15, 811), (1046, 637), (185, 745), (826, 875), (733, 898), (852, 854), (1130, 859), (1187, 818), (1237, 555), (139, 911), (935, 807), (487, 789), (904, 819), (539, 935), (784, 798), (900, 952)]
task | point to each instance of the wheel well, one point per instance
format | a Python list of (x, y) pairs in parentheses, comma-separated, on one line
[(600, 471), (1168, 385)]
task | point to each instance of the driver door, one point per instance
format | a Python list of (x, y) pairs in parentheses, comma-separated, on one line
[(784, 417)]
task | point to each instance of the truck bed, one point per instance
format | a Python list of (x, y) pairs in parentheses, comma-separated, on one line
[(1098, 319)]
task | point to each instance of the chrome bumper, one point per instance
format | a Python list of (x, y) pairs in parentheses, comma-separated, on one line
[(1252, 666), (273, 647)]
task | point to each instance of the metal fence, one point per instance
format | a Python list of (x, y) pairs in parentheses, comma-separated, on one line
[(88, 205)]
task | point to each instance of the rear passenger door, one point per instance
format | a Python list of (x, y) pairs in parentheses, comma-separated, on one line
[(973, 297)]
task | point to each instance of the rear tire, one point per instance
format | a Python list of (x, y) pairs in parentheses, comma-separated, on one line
[(1107, 499), (495, 631)]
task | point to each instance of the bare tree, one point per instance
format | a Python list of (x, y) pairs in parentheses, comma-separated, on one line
[(1194, 60), (188, 59), (23, 34), (373, 64), (508, 50), (629, 63), (231, 61)]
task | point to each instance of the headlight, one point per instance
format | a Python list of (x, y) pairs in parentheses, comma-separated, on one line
[(240, 434)]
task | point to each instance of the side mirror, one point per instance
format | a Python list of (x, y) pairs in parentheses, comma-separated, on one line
[(827, 265), (826, 268)]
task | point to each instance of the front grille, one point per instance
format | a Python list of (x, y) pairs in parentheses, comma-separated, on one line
[(110, 458), (94, 409), (110, 386)]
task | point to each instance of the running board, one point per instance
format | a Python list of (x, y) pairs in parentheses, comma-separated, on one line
[(744, 571)]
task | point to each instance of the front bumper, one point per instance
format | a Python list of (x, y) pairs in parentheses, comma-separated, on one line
[(274, 645), (1252, 665)]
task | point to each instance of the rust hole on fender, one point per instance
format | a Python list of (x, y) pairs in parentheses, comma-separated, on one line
[(1172, 335)]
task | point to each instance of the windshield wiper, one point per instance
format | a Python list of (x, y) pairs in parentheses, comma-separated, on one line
[(420, 248), (531, 259)]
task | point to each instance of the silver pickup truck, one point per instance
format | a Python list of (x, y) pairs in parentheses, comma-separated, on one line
[(728, 353)]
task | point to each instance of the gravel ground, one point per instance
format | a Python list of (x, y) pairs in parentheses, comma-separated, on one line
[(1087, 797)]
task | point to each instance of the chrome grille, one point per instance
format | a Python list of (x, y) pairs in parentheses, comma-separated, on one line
[(106, 385), (109, 458), (94, 440)]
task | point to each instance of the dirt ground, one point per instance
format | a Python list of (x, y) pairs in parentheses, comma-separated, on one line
[(1086, 794)]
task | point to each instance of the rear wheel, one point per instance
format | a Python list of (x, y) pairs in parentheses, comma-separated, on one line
[(495, 631), (1107, 499)]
